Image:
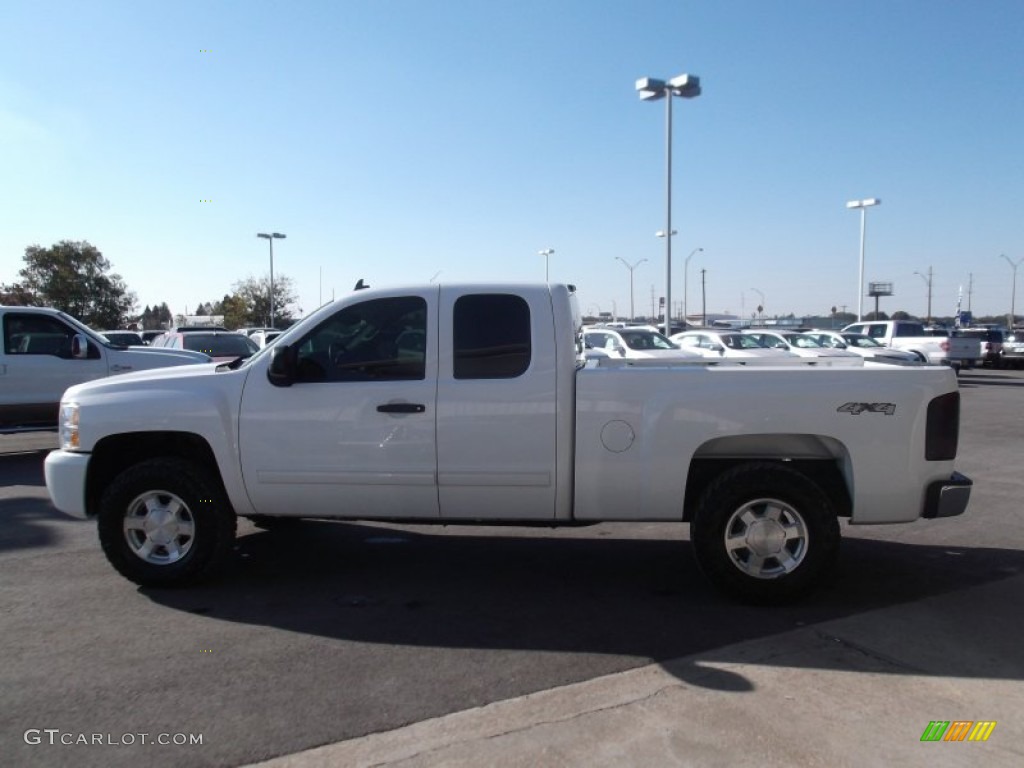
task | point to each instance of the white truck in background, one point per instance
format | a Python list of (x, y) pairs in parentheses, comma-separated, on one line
[(44, 351), (474, 404), (938, 349)]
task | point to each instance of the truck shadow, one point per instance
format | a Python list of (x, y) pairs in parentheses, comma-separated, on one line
[(22, 468), (592, 591)]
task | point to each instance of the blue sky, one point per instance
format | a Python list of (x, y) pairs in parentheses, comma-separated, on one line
[(392, 140)]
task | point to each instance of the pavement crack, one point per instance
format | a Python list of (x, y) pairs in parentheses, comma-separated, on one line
[(536, 723), (871, 653)]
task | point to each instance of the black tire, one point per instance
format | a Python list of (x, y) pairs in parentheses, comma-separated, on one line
[(781, 510), (166, 523)]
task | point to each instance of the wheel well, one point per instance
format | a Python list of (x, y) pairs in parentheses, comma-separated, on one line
[(114, 454), (825, 473)]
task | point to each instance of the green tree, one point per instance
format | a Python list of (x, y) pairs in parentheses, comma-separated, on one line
[(16, 295), (75, 277), (234, 310), (255, 294)]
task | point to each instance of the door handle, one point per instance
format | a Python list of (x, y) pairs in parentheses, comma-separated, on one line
[(401, 408)]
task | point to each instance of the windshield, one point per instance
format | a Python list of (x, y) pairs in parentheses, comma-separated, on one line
[(864, 342), (741, 341), (646, 340), (802, 341), (219, 345)]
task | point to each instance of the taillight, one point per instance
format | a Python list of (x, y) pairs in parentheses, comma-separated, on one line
[(942, 430), (944, 346)]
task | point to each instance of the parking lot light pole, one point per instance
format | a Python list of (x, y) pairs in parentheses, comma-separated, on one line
[(632, 312), (546, 253), (651, 89), (928, 282), (270, 239), (863, 205), (661, 233), (1013, 291), (686, 287)]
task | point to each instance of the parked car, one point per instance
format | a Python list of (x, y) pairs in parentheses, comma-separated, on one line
[(862, 345), (727, 344), (148, 336), (930, 345), (264, 336), (44, 351), (1013, 349), (123, 338), (800, 344), (222, 346), (991, 340), (634, 343)]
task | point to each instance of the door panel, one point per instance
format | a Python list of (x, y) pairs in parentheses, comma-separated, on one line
[(496, 425), (355, 435)]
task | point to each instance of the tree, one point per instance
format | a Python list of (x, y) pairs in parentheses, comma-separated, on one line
[(234, 310), (16, 295), (75, 277), (255, 294)]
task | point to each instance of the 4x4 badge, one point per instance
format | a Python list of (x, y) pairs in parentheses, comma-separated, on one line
[(857, 409)]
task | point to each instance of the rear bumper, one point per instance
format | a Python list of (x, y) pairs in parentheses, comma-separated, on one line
[(947, 498)]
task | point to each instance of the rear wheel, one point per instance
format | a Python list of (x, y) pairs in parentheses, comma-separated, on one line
[(765, 533), (165, 523)]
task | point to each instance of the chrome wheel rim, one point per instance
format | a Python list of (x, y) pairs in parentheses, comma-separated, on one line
[(159, 528), (766, 538)]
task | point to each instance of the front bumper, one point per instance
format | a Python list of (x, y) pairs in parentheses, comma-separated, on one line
[(65, 481), (947, 498)]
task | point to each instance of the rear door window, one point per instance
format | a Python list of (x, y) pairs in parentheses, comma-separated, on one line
[(491, 336)]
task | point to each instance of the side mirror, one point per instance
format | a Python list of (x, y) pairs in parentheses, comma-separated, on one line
[(281, 371), (79, 346), (621, 351)]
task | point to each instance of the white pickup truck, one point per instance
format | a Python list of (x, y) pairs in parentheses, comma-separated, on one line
[(929, 347), (473, 403), (44, 351)]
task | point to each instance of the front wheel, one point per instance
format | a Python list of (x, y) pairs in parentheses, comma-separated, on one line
[(165, 523), (765, 533)]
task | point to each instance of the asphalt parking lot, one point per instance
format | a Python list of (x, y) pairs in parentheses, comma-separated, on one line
[(333, 631)]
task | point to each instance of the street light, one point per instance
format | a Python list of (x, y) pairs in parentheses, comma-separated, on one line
[(863, 205), (651, 89), (270, 238), (546, 253), (928, 282), (632, 312), (1013, 293), (686, 287)]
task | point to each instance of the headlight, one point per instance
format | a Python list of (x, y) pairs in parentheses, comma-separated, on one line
[(69, 426)]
